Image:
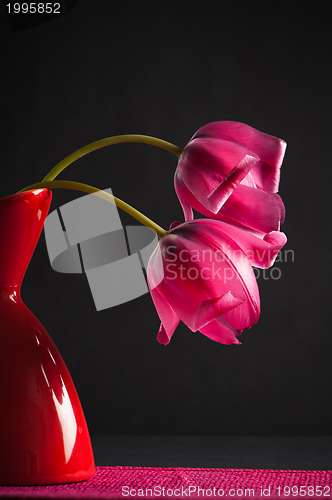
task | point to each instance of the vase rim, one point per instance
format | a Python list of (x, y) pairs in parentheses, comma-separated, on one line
[(35, 191), (22, 217)]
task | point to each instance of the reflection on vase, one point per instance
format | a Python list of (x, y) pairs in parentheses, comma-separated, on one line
[(44, 438)]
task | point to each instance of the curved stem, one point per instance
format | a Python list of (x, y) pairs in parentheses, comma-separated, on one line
[(110, 141), (78, 186)]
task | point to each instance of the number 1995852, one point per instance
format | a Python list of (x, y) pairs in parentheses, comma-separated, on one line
[(34, 8)]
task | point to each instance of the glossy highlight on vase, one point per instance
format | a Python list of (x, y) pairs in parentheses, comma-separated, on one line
[(44, 437)]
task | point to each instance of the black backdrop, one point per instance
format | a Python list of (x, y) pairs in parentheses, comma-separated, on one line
[(102, 69)]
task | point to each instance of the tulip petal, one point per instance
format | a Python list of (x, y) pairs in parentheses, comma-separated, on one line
[(210, 309), (260, 250), (180, 188), (250, 207), (205, 164), (222, 192), (238, 272), (202, 263), (270, 149), (169, 319), (193, 278), (220, 331), (162, 336), (254, 208)]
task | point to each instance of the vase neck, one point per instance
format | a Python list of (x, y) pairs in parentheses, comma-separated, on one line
[(12, 293), (22, 217)]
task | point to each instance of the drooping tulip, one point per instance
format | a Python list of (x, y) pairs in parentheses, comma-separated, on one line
[(200, 275), (231, 171)]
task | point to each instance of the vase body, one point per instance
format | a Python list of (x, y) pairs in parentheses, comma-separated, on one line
[(44, 437)]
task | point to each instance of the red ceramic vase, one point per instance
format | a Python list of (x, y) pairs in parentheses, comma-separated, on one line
[(44, 438)]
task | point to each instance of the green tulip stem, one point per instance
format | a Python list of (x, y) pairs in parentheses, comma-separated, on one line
[(110, 141), (78, 186)]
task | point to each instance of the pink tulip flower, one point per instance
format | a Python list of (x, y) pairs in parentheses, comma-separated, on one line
[(200, 275), (231, 171)]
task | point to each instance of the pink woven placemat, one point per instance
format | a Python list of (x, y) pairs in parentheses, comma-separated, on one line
[(178, 482)]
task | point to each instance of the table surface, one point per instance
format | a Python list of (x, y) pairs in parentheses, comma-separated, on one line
[(240, 452), (142, 463)]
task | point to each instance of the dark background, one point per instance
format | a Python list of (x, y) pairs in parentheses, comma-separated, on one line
[(103, 68)]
